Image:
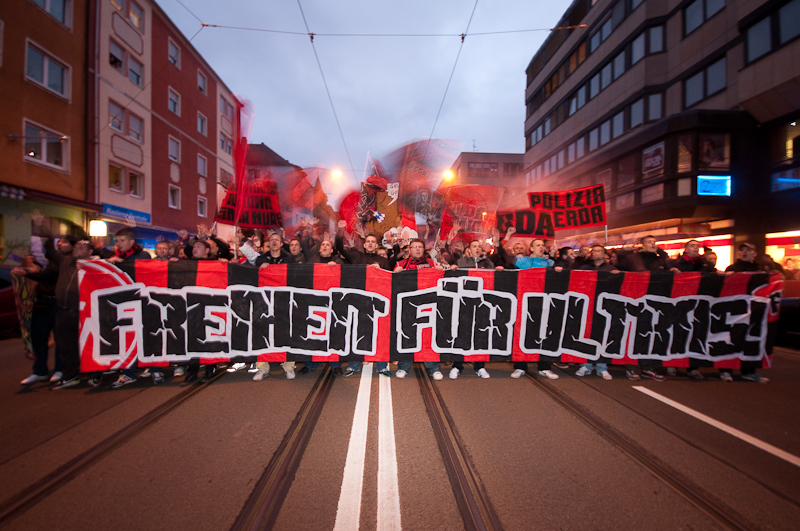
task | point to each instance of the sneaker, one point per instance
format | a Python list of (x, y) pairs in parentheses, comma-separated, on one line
[(437, 375), (349, 372), (236, 367), (123, 380), (179, 370), (94, 382), (606, 375), (672, 371), (483, 373), (633, 376), (158, 377), (694, 374), (252, 368), (454, 373), (755, 377), (260, 375), (289, 374), (337, 371), (386, 372), (56, 377), (549, 374), (561, 365), (211, 371), (653, 375), (400, 373), (583, 371), (146, 373), (518, 373), (725, 376), (33, 378), (67, 383)]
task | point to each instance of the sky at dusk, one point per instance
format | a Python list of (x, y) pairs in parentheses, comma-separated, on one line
[(386, 91)]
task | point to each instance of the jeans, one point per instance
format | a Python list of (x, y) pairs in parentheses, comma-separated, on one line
[(542, 365), (67, 338), (477, 365), (599, 367), (431, 366), (356, 365), (43, 321)]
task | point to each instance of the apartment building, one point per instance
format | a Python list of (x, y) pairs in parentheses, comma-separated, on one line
[(685, 110), (494, 169), (164, 122), (43, 155)]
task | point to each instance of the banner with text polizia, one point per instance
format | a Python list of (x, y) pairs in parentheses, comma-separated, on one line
[(160, 313), (550, 212)]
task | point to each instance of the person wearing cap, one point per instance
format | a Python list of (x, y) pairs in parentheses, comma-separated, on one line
[(746, 263)]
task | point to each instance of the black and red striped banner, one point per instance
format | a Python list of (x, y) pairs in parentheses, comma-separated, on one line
[(160, 313)]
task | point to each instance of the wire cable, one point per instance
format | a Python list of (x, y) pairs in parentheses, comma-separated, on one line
[(308, 34), (325, 82), (190, 11), (453, 71)]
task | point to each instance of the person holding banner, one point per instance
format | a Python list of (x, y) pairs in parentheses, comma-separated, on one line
[(537, 259)]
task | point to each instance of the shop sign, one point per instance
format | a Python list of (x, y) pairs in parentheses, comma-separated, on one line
[(119, 212), (719, 185), (653, 159), (697, 229)]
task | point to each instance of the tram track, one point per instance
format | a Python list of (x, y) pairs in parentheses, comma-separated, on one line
[(32, 495), (715, 509), (265, 501)]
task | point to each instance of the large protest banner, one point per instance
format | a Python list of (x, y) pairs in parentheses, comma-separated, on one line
[(173, 312), (554, 211)]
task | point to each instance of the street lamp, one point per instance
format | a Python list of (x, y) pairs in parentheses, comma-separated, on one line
[(448, 175), (98, 228)]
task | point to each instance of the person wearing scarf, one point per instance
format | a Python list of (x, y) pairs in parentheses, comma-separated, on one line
[(127, 250), (692, 260)]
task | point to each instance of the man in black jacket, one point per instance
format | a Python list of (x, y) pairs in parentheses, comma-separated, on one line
[(746, 261)]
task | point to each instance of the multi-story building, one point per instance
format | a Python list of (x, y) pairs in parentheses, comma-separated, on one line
[(495, 169), (43, 155), (686, 110), (164, 122)]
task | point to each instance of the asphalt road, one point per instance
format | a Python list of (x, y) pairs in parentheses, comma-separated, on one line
[(540, 465)]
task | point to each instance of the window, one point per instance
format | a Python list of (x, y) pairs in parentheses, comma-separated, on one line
[(116, 117), (593, 139), (594, 86), (136, 16), (201, 82), (560, 159), (618, 124), (202, 209), (605, 76), (226, 145), (581, 96), (705, 83), (654, 107), (45, 147), (635, 4), (225, 108), (637, 113), (202, 165), (759, 39), (135, 185), (547, 126), (698, 12), (619, 65), (605, 30), (653, 193), (201, 124), (174, 102), (637, 49), (789, 15), (115, 178), (135, 71), (116, 56), (656, 39), (117, 4), (573, 105), (135, 127), (46, 71), (56, 8), (579, 147), (626, 171), (594, 42), (173, 53), (605, 132), (174, 197), (174, 149), (571, 153)]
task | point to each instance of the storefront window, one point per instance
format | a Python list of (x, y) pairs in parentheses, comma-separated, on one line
[(786, 180), (627, 171), (685, 154), (784, 141), (784, 249), (714, 152)]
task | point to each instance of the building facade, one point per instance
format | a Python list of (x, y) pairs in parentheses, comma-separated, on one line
[(495, 169), (43, 152), (685, 110)]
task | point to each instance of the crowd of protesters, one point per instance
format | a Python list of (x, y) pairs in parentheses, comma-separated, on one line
[(57, 295)]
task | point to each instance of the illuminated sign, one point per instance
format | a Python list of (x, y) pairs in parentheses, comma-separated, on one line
[(714, 185)]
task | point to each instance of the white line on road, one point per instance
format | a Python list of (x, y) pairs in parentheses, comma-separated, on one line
[(388, 489), (758, 443), (349, 510)]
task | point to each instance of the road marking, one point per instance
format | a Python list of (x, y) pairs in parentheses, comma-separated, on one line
[(349, 510), (758, 443), (388, 489)]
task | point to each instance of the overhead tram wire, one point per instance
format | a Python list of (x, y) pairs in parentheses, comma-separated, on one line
[(325, 82), (190, 11), (459, 35), (453, 71)]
